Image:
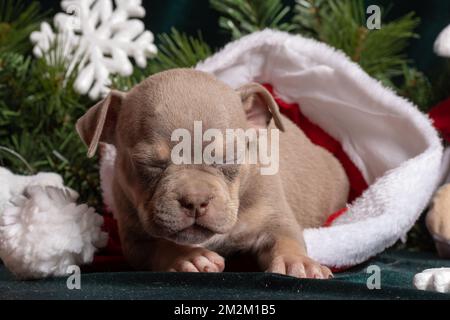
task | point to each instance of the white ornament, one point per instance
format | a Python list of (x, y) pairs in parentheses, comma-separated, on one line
[(42, 229), (433, 280), (442, 43), (98, 37)]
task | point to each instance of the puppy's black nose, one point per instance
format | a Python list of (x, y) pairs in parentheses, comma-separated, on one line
[(195, 205)]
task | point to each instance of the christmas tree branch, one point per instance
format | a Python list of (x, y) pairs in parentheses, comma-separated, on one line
[(17, 21), (178, 50), (241, 17), (380, 52)]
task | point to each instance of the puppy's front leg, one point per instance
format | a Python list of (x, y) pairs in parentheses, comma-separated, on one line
[(286, 255)]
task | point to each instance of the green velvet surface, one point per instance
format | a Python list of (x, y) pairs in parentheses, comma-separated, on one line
[(397, 271)]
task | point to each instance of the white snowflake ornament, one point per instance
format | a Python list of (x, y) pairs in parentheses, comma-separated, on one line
[(442, 43), (98, 37)]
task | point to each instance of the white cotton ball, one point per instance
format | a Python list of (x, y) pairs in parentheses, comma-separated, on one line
[(7, 179), (433, 280), (442, 43), (43, 232), (12, 185)]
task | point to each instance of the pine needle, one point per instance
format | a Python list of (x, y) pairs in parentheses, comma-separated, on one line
[(241, 17), (18, 156), (178, 50), (17, 21)]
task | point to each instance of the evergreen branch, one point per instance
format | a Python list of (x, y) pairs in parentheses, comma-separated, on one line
[(389, 43), (240, 17), (307, 17), (18, 156), (178, 50), (441, 83), (381, 53), (38, 111), (17, 21), (417, 88), (342, 24)]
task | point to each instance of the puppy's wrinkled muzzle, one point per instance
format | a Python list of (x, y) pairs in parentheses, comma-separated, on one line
[(191, 207)]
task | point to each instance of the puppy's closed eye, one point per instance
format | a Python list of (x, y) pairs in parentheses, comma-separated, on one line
[(149, 171), (150, 159)]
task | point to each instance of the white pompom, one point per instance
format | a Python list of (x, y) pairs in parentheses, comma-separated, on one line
[(442, 44), (433, 280), (43, 232)]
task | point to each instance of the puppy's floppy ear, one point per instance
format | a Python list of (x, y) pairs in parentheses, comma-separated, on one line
[(99, 122), (259, 106)]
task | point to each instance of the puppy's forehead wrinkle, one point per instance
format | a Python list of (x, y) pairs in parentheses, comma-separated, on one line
[(175, 98), (145, 152)]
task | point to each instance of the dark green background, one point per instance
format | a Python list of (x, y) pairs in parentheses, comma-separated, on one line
[(193, 15)]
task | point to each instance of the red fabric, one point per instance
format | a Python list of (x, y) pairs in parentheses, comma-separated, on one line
[(111, 257), (440, 115), (334, 216)]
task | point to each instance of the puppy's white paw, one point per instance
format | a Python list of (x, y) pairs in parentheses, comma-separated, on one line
[(299, 266), (198, 260), (433, 280)]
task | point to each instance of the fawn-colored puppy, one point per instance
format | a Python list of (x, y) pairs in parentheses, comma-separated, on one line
[(184, 217)]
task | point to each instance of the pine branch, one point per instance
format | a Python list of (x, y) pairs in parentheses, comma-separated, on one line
[(241, 17), (17, 21), (178, 50), (307, 18), (441, 83), (38, 110), (381, 53), (417, 88), (342, 24)]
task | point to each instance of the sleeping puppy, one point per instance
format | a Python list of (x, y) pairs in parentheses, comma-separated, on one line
[(186, 217)]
